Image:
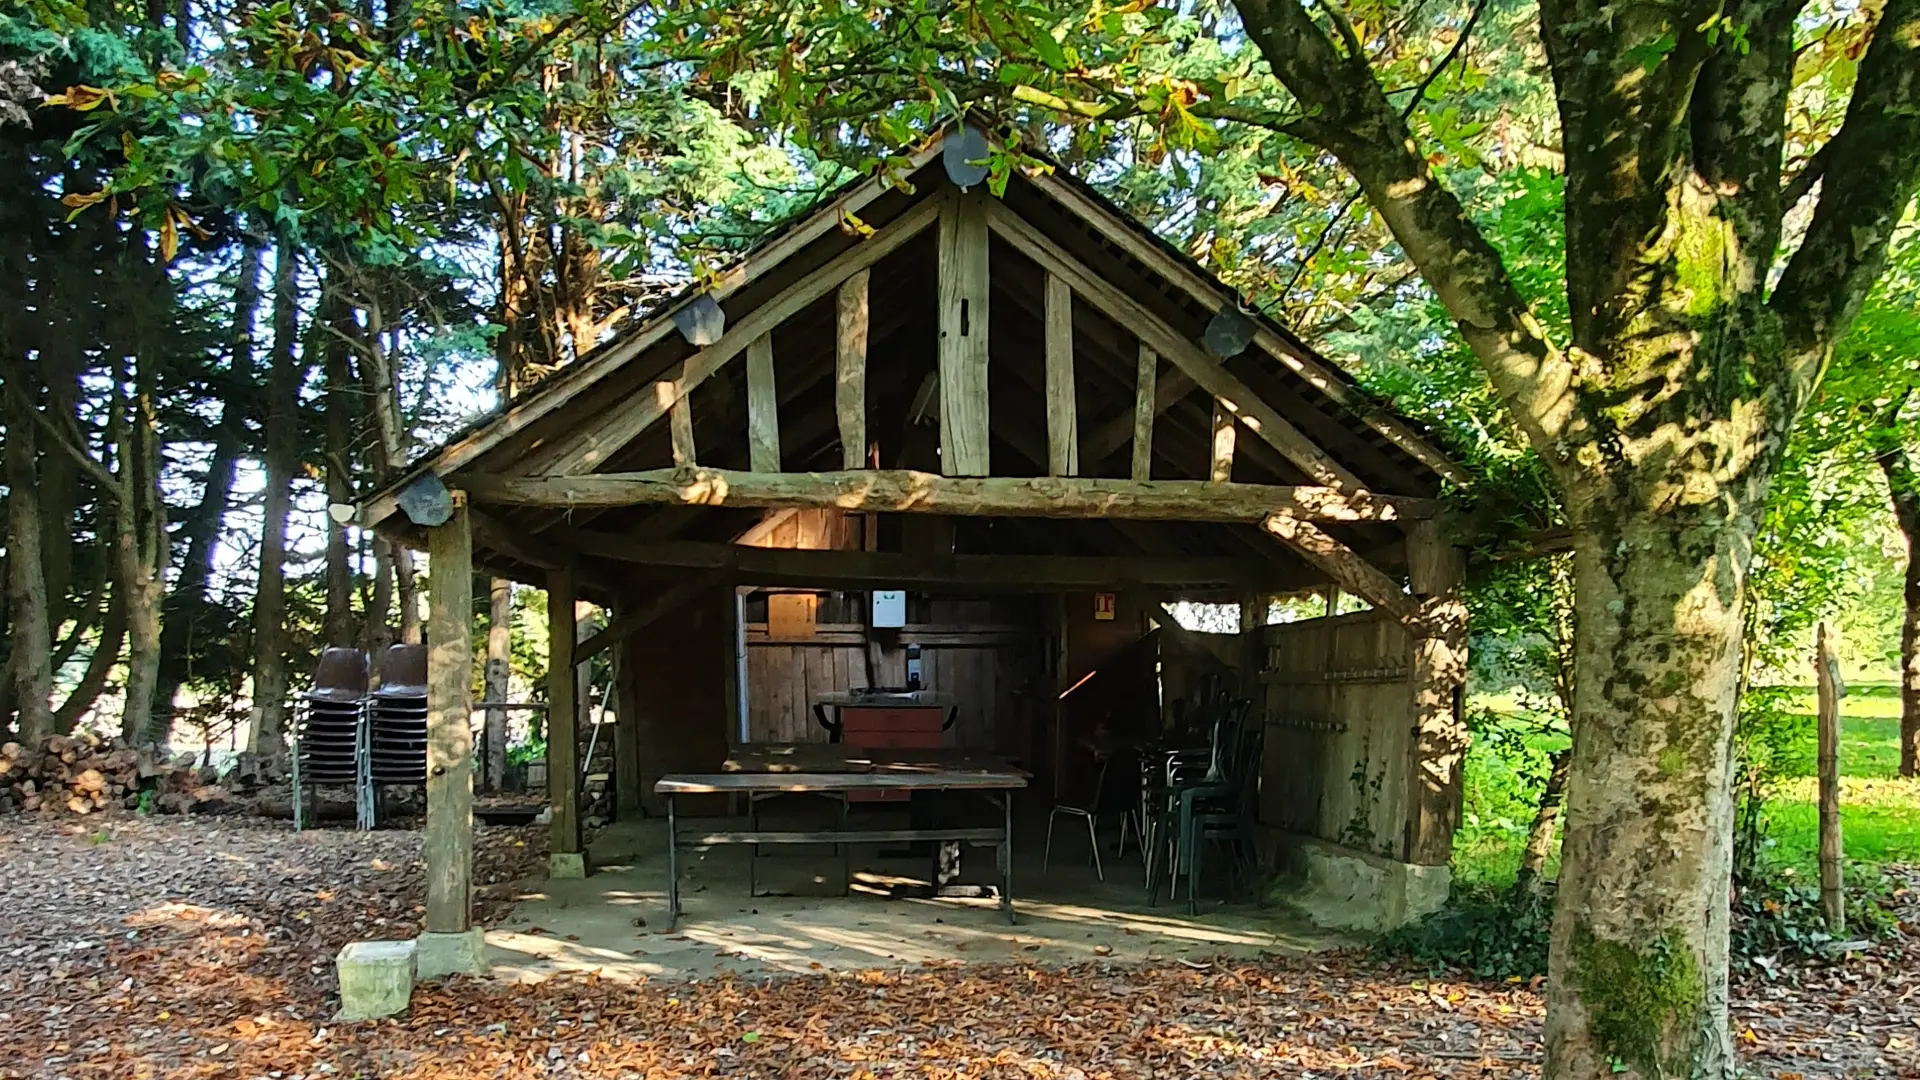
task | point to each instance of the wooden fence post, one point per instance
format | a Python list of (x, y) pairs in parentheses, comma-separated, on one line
[(1833, 904)]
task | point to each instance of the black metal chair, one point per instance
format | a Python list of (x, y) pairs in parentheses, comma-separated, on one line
[(1206, 800)]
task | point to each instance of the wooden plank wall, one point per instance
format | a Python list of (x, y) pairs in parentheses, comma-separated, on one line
[(682, 671), (1338, 720), (978, 651)]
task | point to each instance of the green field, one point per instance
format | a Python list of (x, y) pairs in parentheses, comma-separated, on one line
[(1879, 813)]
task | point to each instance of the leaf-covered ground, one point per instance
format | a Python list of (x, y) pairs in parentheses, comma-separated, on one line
[(203, 948)]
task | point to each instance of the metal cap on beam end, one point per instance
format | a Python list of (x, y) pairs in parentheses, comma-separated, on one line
[(426, 501), (965, 148), (700, 320), (1229, 332)]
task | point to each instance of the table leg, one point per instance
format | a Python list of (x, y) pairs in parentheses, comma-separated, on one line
[(673, 865), (1006, 857)]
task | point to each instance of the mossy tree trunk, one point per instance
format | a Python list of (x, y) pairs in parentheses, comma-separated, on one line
[(1661, 413)]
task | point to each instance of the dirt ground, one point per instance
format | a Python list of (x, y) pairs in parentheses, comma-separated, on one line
[(203, 948)]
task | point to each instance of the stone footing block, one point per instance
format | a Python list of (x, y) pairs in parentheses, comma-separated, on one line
[(376, 978), (438, 954)]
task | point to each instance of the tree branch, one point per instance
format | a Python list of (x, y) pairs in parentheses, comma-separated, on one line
[(1352, 118), (1872, 167), (88, 464)]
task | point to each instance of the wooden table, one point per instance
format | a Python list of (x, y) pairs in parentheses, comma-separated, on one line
[(908, 776)]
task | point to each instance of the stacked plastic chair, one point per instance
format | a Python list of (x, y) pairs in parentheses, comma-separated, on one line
[(329, 731), (397, 719)]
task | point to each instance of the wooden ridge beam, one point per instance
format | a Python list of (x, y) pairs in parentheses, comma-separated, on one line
[(626, 624), (572, 380), (906, 491), (876, 569), (1287, 352), (1205, 370)]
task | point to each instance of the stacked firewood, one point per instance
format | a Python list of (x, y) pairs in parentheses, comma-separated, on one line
[(82, 773)]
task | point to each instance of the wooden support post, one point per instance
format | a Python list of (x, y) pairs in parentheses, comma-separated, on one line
[(1146, 406), (449, 844), (563, 729), (1833, 901), (680, 422), (626, 739), (1437, 675), (763, 406), (1063, 425), (850, 370), (962, 292), (1221, 470)]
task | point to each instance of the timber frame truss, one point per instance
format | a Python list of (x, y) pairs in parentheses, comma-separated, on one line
[(565, 453), (1036, 367)]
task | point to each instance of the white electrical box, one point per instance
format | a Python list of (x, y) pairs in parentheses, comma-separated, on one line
[(890, 608)]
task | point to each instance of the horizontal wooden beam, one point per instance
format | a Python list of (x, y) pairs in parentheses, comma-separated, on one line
[(879, 570), (515, 543), (627, 623), (906, 491)]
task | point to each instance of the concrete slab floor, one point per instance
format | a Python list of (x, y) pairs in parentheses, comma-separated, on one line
[(614, 921)]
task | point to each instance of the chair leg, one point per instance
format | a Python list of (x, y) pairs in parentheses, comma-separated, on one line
[(1093, 842), (1151, 850), (1193, 845), (1120, 849), (1047, 853)]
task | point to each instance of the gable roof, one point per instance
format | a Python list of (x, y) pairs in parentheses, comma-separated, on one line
[(575, 420)]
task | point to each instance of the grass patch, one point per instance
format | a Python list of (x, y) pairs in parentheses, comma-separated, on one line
[(1879, 811)]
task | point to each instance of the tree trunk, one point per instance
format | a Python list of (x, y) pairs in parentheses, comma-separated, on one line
[(1638, 966), (202, 527), (1533, 858), (339, 397), (378, 628), (382, 380), (140, 546), (499, 644), (1904, 485), (1833, 905), (31, 646), (407, 587), (268, 737), (113, 634)]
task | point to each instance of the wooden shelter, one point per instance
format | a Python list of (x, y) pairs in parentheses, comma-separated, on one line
[(1025, 410)]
